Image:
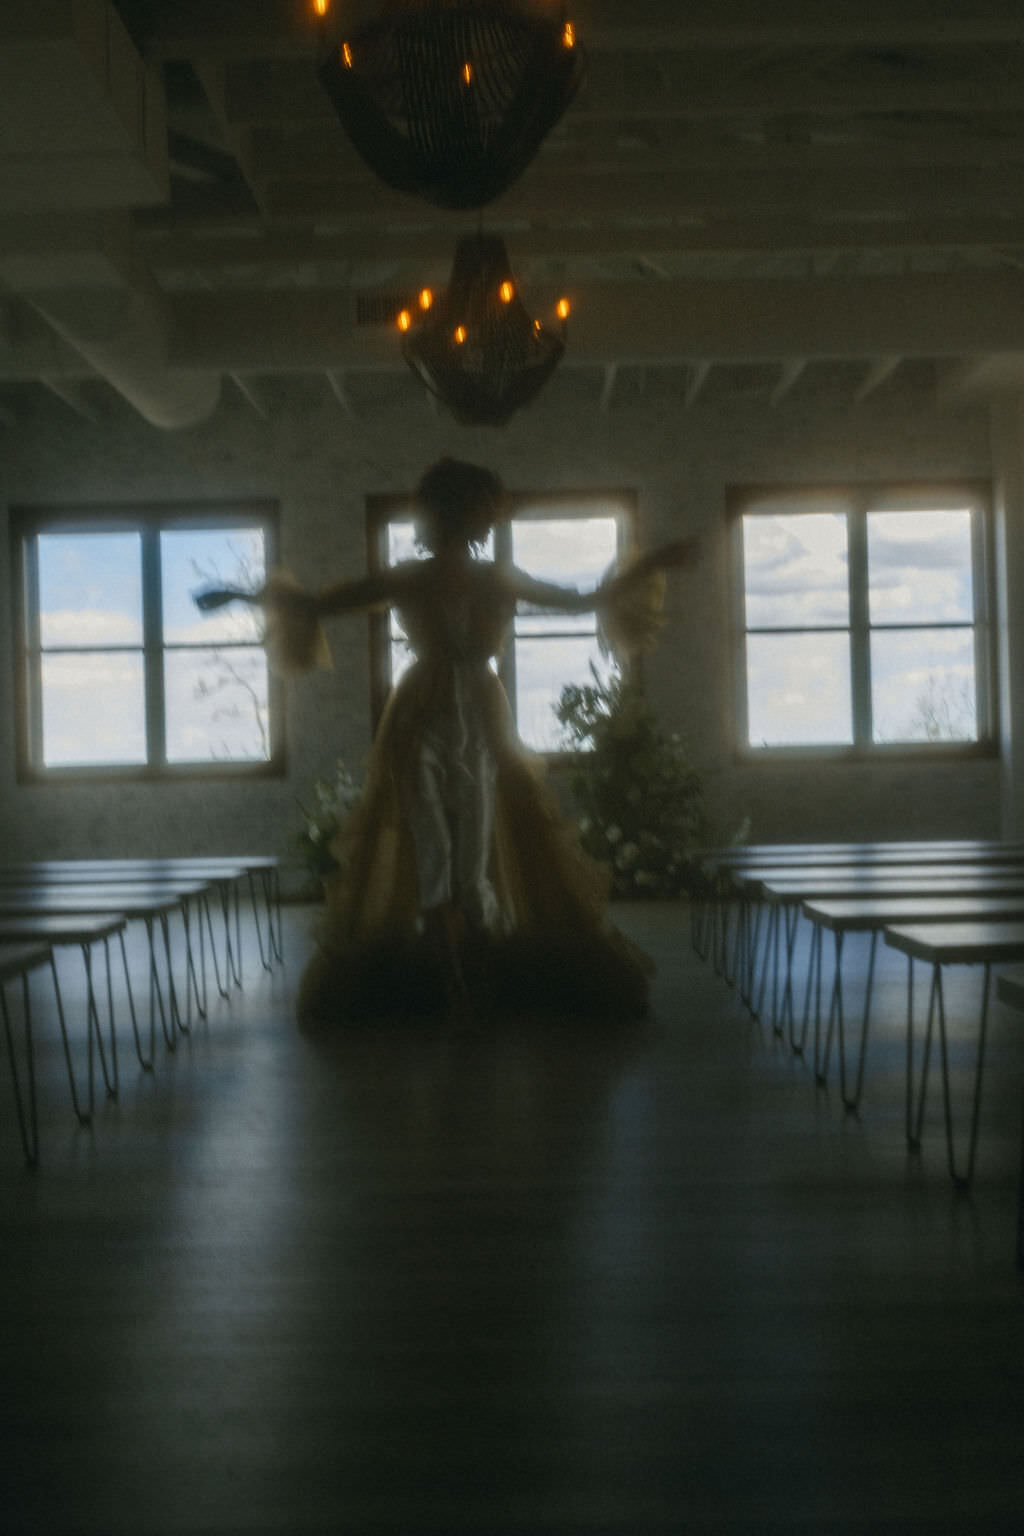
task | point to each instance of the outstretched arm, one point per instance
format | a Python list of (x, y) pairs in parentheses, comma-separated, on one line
[(379, 588), (294, 636), (548, 594)]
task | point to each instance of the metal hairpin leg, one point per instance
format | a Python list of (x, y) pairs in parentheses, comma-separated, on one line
[(229, 892), (937, 1007), (698, 924), (222, 986), (144, 1062), (1020, 1201), (93, 1027), (272, 878), (812, 988), (720, 938), (27, 1125), (836, 1019), (84, 1116), (192, 987), (782, 1015), (770, 950), (156, 994), (266, 951), (183, 1023), (753, 943)]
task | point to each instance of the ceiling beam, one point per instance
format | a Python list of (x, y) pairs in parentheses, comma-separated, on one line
[(336, 379), (171, 242), (866, 195), (285, 28), (251, 395), (622, 145), (881, 369), (695, 383), (931, 315), (611, 371), (788, 377), (71, 393), (673, 88)]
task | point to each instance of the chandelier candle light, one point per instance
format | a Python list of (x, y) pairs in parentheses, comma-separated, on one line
[(450, 100), (475, 346)]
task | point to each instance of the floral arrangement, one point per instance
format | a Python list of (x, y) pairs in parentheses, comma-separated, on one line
[(639, 799), (333, 802)]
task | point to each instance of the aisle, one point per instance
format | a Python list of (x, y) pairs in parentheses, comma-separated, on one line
[(555, 1280)]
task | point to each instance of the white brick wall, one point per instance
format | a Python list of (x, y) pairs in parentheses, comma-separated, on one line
[(320, 464)]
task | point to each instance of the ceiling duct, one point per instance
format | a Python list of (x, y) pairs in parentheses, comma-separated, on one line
[(122, 335), (83, 140)]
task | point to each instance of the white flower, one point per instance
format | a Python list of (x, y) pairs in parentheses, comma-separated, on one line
[(613, 834)]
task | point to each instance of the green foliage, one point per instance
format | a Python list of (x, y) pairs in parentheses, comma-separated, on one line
[(639, 799), (334, 800)]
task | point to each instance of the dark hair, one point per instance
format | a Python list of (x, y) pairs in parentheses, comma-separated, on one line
[(457, 502)]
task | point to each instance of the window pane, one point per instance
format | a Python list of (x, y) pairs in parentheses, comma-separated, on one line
[(535, 621), (922, 685), (196, 557), (90, 589), (919, 567), (216, 705), (574, 551), (795, 570), (543, 667), (93, 709), (798, 690), (402, 543), (402, 657)]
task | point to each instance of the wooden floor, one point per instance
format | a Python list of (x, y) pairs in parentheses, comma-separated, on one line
[(549, 1280)]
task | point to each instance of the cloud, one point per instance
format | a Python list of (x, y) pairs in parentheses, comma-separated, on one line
[(85, 627)]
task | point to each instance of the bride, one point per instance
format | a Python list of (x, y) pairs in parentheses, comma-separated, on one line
[(460, 882)]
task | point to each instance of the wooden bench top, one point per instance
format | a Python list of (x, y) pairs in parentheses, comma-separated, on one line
[(135, 901), (953, 850), (939, 882), (60, 928), (870, 913), (959, 943), (129, 870), (17, 959)]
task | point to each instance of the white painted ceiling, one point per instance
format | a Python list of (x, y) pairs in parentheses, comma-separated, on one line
[(742, 195)]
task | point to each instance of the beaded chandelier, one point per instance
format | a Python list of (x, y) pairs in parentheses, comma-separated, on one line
[(475, 346), (451, 99)]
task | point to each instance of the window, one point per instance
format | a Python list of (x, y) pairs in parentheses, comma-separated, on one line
[(118, 672), (863, 617), (569, 539)]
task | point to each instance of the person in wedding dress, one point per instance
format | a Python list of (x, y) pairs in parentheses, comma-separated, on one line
[(460, 881)]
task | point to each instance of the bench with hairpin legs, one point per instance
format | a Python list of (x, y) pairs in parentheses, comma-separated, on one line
[(940, 945), (872, 915), (259, 873), (153, 906), (1010, 989), (17, 962)]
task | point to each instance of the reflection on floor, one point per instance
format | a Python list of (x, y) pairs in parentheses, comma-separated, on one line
[(546, 1279)]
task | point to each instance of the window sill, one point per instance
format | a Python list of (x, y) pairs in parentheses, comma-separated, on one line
[(896, 752)]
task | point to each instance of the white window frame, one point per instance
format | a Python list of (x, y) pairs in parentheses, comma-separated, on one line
[(855, 501), (148, 521), (523, 505)]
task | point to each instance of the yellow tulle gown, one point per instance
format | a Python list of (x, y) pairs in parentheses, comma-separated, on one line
[(538, 936)]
